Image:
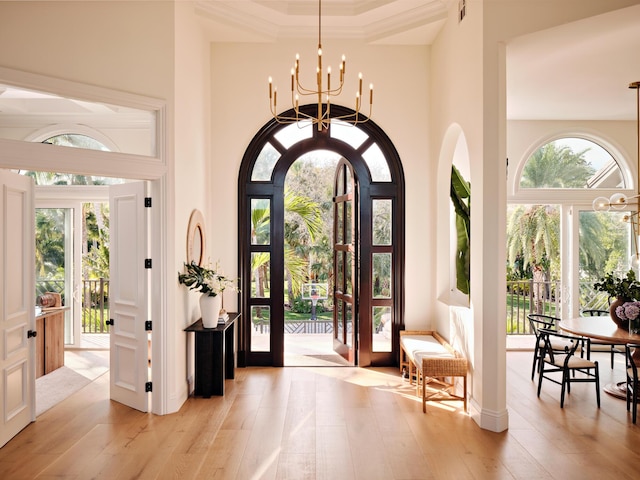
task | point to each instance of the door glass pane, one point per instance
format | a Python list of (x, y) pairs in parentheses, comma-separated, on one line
[(260, 221), (54, 247), (263, 167), (339, 271), (348, 234), (339, 224), (382, 222), (95, 267), (340, 190), (382, 275), (382, 329), (260, 328), (348, 320), (348, 288), (339, 313), (606, 245), (260, 275), (377, 164)]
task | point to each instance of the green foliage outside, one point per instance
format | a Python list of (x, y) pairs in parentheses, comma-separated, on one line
[(461, 199), (533, 230)]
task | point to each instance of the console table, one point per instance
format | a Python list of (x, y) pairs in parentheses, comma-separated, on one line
[(214, 356)]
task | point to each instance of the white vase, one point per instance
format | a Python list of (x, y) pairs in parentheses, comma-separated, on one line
[(210, 310)]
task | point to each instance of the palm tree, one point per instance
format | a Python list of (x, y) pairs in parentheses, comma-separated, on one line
[(295, 265), (552, 166)]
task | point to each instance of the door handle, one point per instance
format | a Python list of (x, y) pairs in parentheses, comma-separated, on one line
[(32, 333)]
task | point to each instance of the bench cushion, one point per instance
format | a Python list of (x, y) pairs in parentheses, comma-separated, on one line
[(418, 347)]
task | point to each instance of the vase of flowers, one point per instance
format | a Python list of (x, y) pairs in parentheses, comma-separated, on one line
[(630, 312), (623, 290), (210, 282)]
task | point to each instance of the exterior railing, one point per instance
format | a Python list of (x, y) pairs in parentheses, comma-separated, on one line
[(95, 306), (525, 297), (95, 302)]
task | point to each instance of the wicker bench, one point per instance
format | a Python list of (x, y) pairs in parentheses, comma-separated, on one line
[(430, 358)]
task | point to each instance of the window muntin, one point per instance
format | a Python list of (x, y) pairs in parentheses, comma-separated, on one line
[(572, 163)]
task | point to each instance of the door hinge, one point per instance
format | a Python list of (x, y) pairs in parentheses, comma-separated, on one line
[(147, 387), (109, 322), (147, 202), (148, 325), (147, 263), (32, 333)]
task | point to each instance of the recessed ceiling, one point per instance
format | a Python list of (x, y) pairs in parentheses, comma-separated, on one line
[(409, 22)]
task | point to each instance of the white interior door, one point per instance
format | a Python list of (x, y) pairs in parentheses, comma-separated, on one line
[(17, 305), (128, 299)]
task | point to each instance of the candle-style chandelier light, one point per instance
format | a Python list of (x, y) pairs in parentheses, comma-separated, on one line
[(323, 114), (620, 201)]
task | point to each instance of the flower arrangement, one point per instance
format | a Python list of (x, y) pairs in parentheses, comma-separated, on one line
[(620, 287), (205, 279), (628, 311)]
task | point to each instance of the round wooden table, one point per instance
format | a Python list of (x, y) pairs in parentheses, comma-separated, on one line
[(603, 328)]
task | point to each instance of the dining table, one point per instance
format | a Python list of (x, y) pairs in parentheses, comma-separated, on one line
[(603, 328)]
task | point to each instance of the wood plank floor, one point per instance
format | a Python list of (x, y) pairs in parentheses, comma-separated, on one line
[(331, 423)]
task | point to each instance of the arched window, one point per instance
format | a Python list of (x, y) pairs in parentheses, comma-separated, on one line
[(554, 237), (74, 140), (361, 260), (571, 163)]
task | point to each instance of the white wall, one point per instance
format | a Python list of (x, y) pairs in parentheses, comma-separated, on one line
[(240, 106), (468, 94)]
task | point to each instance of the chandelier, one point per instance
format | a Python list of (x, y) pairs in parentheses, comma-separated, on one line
[(620, 201), (323, 114)]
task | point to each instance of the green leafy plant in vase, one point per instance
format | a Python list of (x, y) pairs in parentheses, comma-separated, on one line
[(211, 283)]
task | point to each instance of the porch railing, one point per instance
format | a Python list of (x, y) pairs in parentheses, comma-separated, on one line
[(95, 306), (95, 302), (525, 297)]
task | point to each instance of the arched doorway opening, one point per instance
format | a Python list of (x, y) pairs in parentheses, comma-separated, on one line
[(367, 269)]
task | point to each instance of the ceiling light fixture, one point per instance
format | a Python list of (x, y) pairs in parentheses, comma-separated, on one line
[(619, 201), (323, 115)]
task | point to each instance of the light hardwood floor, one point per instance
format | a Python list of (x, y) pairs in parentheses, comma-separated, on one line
[(331, 423)]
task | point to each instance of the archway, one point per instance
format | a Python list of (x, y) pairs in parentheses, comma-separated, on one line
[(380, 185)]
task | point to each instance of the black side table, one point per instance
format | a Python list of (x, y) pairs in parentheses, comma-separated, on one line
[(215, 356)]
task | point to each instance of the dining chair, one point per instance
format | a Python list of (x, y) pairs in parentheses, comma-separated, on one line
[(632, 380), (536, 323), (574, 369), (611, 347)]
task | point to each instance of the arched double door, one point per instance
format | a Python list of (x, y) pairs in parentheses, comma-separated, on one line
[(367, 269)]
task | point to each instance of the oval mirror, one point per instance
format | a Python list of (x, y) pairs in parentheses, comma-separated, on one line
[(196, 238)]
